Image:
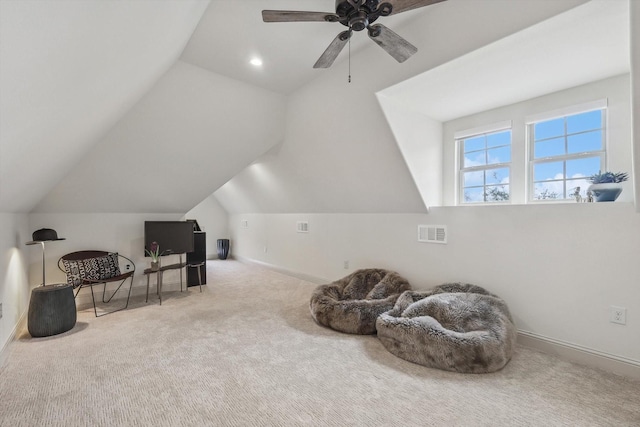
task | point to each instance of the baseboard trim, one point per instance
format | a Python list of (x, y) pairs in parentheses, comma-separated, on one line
[(580, 354), (568, 351), (309, 278), (6, 348)]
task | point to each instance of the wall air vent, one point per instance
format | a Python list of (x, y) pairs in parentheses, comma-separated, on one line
[(302, 227), (432, 233)]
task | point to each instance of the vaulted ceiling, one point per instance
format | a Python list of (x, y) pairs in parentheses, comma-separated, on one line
[(69, 72), (104, 103), (151, 106)]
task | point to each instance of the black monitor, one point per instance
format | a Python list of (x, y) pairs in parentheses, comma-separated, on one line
[(173, 237)]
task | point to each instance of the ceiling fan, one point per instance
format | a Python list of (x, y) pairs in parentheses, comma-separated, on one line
[(357, 15)]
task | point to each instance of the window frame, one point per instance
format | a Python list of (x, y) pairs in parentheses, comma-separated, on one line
[(485, 131), (564, 113)]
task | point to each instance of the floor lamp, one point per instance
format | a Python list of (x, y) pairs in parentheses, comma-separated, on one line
[(52, 309), (40, 237)]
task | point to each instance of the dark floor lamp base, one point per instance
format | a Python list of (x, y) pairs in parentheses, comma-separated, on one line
[(52, 310)]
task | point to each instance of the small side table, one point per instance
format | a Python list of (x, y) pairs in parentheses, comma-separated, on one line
[(52, 310), (148, 272)]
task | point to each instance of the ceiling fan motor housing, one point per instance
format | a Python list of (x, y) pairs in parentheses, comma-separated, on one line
[(358, 18)]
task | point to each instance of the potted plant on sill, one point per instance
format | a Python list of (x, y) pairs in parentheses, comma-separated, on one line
[(606, 186)]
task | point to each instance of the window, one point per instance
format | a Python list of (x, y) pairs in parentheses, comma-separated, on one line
[(563, 152), (485, 163)]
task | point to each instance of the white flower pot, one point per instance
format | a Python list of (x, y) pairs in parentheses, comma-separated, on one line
[(607, 192)]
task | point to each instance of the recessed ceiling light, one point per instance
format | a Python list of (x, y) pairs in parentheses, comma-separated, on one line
[(256, 62)]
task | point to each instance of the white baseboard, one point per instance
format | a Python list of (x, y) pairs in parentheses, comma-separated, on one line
[(20, 325), (292, 273), (565, 350), (581, 355)]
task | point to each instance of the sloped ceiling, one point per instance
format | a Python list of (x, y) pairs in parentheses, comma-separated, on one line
[(99, 115), (339, 154), (69, 70), (185, 138), (585, 44), (231, 33)]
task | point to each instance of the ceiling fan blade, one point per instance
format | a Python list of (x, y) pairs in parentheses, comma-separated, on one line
[(395, 45), (297, 16), (334, 49), (400, 6)]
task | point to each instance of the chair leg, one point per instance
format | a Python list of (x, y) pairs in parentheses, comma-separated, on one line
[(111, 297), (95, 310), (200, 278), (114, 292), (129, 295), (160, 286)]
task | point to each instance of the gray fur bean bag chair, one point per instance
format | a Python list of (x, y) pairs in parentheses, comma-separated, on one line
[(455, 327), (353, 303)]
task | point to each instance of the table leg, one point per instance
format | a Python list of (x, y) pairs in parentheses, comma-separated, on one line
[(148, 287)]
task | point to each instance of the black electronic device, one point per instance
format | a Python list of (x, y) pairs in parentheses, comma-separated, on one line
[(173, 237), (197, 257), (196, 226)]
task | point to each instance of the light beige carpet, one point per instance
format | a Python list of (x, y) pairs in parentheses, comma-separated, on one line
[(246, 352)]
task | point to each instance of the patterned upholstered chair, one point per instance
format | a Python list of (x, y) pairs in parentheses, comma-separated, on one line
[(94, 268)]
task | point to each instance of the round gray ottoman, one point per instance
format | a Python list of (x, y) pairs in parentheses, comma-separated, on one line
[(52, 310)]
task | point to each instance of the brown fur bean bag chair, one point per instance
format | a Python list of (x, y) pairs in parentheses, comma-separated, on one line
[(454, 327), (353, 303)]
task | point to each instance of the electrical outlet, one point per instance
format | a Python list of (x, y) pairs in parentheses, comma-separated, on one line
[(618, 315), (346, 265)]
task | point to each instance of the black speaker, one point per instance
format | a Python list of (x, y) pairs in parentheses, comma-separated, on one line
[(198, 256)]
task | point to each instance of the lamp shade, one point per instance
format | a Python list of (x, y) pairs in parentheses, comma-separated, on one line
[(44, 235)]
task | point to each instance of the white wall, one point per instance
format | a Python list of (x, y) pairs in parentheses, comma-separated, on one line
[(213, 220), (14, 284), (635, 86), (558, 267), (118, 232), (419, 138), (619, 148)]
